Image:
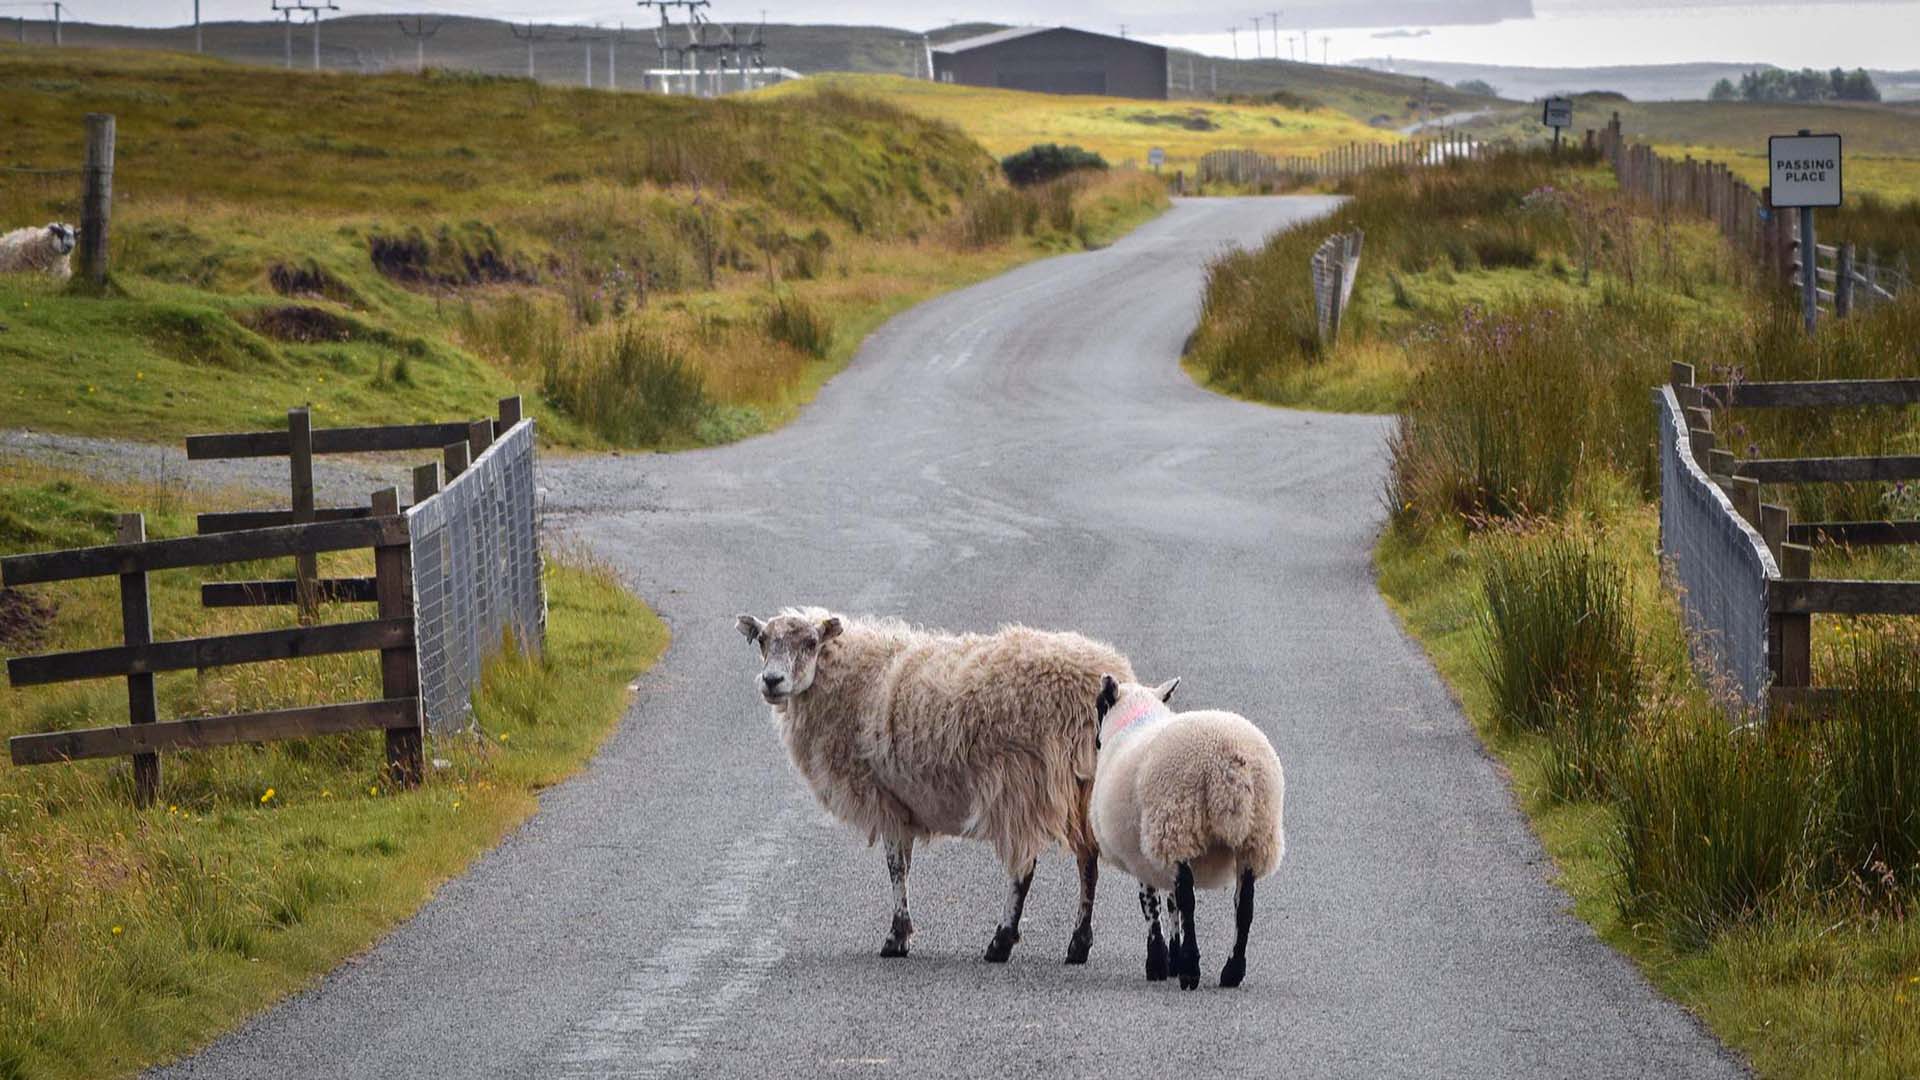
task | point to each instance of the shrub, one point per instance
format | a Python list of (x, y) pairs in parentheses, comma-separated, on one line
[(1714, 824), (1556, 633), (797, 323), (1048, 161), (635, 390)]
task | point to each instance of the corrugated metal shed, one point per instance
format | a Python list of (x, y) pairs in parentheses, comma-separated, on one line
[(1055, 60)]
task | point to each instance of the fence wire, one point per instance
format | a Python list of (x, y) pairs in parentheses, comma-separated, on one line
[(1720, 564), (476, 575)]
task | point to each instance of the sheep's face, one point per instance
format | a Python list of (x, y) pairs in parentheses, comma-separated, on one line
[(63, 238), (789, 651)]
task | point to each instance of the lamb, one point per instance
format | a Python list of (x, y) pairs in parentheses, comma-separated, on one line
[(1184, 801), (44, 250), (909, 734)]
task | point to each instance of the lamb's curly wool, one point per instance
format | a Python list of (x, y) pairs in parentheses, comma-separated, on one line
[(1184, 801), (908, 734), (45, 249)]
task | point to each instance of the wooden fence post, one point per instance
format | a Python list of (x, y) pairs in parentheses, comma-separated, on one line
[(399, 665), (1792, 662), (306, 567), (509, 412), (1843, 282), (136, 620), (456, 459), (426, 482), (1773, 527), (1746, 499), (96, 207)]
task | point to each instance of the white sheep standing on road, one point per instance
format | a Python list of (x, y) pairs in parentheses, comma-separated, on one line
[(1185, 800), (908, 734), (38, 250)]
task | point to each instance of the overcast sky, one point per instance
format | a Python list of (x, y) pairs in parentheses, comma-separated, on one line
[(1556, 33)]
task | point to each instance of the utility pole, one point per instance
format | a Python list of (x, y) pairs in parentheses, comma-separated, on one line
[(287, 7), (420, 33), (1235, 31), (531, 37), (198, 45), (1123, 31), (591, 40), (1273, 17), (613, 45), (56, 23), (1256, 38), (1325, 40)]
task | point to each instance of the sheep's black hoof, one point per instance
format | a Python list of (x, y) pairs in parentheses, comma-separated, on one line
[(896, 943), (1189, 965), (1156, 959), (1002, 945), (1080, 945), (1233, 973), (893, 947)]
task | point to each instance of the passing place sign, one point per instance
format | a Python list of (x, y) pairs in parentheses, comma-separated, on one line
[(1557, 112), (1804, 170)]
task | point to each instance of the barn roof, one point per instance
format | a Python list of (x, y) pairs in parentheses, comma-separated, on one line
[(1017, 32)]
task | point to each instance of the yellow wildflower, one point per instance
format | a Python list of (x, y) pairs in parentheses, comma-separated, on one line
[(267, 797), (116, 931)]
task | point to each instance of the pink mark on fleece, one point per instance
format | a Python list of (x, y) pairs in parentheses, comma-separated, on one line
[(1134, 709)]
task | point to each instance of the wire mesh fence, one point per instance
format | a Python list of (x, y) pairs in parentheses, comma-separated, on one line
[(1719, 563), (476, 575)]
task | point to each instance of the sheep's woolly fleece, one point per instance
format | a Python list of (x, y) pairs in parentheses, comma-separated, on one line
[(1204, 788), (909, 733), (45, 249)]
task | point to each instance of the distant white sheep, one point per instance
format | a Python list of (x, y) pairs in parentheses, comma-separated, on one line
[(908, 734), (1183, 800), (42, 250)]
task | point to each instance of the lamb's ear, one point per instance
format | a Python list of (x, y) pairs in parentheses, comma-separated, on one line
[(1165, 690), (1109, 694), (830, 628), (750, 627)]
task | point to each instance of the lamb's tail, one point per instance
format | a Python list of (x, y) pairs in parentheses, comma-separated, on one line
[(1233, 797)]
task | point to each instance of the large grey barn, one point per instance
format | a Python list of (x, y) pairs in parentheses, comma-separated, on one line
[(1055, 60)]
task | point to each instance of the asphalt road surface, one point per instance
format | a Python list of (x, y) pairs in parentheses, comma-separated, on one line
[(1024, 450)]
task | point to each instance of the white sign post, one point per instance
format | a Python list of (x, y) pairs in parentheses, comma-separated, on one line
[(1557, 114), (1156, 157), (1804, 173)]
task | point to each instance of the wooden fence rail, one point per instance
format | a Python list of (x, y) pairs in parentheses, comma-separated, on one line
[(1796, 595), (303, 532)]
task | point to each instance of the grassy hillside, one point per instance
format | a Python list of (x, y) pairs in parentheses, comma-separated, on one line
[(1120, 129), (1380, 97), (128, 937), (654, 271), (1515, 313)]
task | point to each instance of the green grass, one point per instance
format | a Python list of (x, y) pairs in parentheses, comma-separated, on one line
[(1122, 130), (1821, 984), (284, 237), (1443, 247), (129, 937)]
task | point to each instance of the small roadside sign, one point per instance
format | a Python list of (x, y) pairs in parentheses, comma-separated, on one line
[(1804, 170), (1156, 157), (1557, 113)]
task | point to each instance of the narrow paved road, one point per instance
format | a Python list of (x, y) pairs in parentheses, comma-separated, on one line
[(1024, 450)]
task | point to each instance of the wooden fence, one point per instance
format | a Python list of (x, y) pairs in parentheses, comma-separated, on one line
[(301, 532), (1251, 168), (1847, 282), (1796, 596), (1335, 265)]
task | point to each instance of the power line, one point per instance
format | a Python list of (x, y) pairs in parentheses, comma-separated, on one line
[(421, 34), (532, 37), (315, 7)]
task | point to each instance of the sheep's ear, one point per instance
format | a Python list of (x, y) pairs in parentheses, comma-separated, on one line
[(1109, 694), (830, 628), (750, 627), (1165, 690)]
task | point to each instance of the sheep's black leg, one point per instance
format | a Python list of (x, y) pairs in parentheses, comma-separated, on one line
[(1156, 945), (1236, 968), (1082, 941), (899, 861), (1186, 959), (1005, 938)]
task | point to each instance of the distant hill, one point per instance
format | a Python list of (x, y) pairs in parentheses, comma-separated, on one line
[(371, 44), (1650, 82)]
